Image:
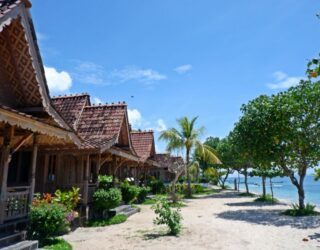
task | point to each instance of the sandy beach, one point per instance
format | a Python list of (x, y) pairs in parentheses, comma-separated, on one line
[(220, 221)]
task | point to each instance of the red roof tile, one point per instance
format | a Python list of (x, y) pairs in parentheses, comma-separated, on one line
[(99, 126), (7, 5), (70, 107), (143, 143)]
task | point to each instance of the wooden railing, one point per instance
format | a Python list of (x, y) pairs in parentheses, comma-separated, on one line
[(16, 204)]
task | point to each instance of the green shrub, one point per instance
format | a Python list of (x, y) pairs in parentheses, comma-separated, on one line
[(106, 199), (57, 244), (266, 198), (197, 188), (47, 220), (143, 192), (157, 187), (246, 195), (105, 181), (117, 219), (296, 211), (129, 192), (167, 216)]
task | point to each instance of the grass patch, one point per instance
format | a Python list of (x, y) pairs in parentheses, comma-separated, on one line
[(309, 210), (117, 219), (247, 195), (149, 202), (57, 244), (266, 198), (207, 191)]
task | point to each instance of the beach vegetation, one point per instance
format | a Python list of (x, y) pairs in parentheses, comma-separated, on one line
[(57, 244), (168, 216), (282, 130), (308, 210), (129, 192), (266, 198), (187, 137), (157, 186), (47, 220), (117, 219), (106, 199)]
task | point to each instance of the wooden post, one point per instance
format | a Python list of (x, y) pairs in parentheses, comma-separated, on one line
[(4, 166), (98, 167), (32, 178), (86, 180)]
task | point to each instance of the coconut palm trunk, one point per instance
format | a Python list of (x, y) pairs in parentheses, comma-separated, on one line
[(189, 192)]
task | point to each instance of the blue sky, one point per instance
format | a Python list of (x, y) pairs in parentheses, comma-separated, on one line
[(176, 57)]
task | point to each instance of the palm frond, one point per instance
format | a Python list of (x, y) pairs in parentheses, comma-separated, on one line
[(207, 153)]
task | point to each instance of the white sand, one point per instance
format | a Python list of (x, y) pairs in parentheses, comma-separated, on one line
[(223, 221)]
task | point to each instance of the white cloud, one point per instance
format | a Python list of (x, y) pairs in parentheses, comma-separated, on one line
[(135, 117), (58, 82), (183, 68), (41, 36), (160, 125), (283, 81), (89, 73), (138, 122), (138, 74), (96, 100)]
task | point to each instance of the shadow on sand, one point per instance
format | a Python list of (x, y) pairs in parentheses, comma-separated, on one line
[(153, 236), (254, 204), (271, 217)]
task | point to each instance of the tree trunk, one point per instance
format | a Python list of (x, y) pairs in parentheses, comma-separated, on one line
[(188, 174), (238, 181), (246, 180), (225, 179), (235, 184), (271, 189), (299, 185), (263, 186)]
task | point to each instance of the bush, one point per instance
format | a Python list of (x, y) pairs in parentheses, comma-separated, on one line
[(266, 198), (296, 211), (47, 220), (167, 216), (143, 192), (117, 219), (106, 199), (157, 187), (129, 192), (105, 181), (197, 189)]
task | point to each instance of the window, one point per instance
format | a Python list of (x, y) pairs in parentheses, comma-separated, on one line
[(52, 168)]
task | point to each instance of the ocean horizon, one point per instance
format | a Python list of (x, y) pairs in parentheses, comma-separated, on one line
[(283, 188)]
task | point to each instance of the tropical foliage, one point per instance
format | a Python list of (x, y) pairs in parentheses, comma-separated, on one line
[(187, 137)]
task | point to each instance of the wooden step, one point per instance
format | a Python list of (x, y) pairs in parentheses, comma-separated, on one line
[(23, 245), (10, 238)]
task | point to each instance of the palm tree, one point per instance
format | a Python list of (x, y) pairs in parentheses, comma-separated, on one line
[(187, 137)]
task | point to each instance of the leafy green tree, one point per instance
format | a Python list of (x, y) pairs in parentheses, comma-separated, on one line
[(297, 133), (283, 130), (187, 137), (225, 153)]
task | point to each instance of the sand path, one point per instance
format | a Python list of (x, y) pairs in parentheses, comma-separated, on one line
[(221, 221)]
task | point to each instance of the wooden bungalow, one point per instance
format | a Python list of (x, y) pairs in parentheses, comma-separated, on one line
[(28, 121), (164, 172), (106, 146), (144, 145)]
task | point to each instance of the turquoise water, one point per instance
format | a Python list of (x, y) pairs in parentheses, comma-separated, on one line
[(284, 189)]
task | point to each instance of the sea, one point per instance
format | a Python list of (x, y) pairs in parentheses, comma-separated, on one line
[(283, 188)]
